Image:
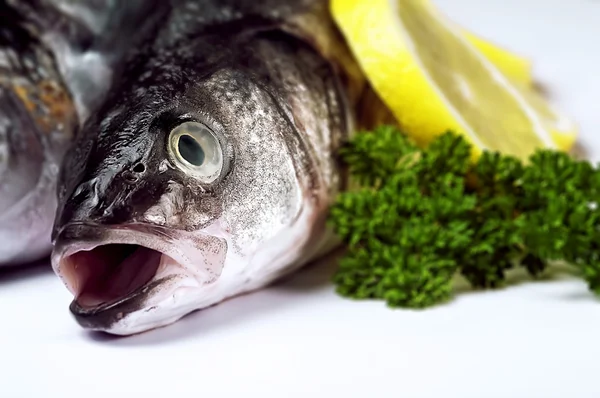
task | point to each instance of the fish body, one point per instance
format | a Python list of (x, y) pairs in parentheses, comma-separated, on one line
[(56, 62), (37, 121), (209, 169)]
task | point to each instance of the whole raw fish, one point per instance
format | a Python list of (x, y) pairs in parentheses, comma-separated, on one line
[(209, 169)]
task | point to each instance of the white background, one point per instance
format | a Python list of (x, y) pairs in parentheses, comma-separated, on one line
[(299, 339)]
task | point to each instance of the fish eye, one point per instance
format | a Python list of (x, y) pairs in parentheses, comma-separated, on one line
[(195, 149)]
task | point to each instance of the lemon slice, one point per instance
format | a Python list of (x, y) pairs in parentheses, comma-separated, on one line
[(434, 80), (515, 67)]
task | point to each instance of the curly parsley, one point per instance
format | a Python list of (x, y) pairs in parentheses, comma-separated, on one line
[(421, 215)]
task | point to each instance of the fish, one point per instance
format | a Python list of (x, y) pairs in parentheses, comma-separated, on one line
[(208, 171), (56, 61), (90, 39), (37, 122)]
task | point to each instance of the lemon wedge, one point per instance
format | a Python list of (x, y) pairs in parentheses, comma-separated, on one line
[(433, 79)]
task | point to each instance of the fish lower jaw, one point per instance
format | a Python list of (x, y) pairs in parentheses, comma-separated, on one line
[(181, 296), (118, 277)]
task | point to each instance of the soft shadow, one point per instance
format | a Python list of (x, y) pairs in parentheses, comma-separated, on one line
[(580, 295), (542, 89), (314, 276), (13, 273), (519, 276), (235, 311)]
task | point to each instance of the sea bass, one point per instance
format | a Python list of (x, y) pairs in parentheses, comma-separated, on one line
[(208, 171), (57, 58)]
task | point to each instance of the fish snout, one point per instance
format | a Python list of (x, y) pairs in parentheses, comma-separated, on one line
[(109, 198)]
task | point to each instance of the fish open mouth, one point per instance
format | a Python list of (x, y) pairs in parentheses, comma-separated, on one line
[(109, 273), (116, 272), (112, 280)]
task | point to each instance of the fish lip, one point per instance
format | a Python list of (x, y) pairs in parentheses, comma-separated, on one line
[(91, 235), (114, 229), (105, 316)]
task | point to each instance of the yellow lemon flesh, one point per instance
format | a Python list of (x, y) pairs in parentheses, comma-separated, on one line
[(433, 79), (512, 65), (515, 67)]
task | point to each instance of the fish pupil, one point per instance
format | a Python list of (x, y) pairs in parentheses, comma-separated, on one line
[(190, 150)]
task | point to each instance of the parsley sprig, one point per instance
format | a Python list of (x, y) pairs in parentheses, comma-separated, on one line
[(422, 215)]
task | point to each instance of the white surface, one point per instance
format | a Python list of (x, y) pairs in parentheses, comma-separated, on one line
[(527, 341)]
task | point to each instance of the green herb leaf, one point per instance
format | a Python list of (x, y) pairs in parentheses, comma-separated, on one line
[(421, 215)]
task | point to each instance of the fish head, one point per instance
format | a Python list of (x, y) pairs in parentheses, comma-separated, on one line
[(185, 189)]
